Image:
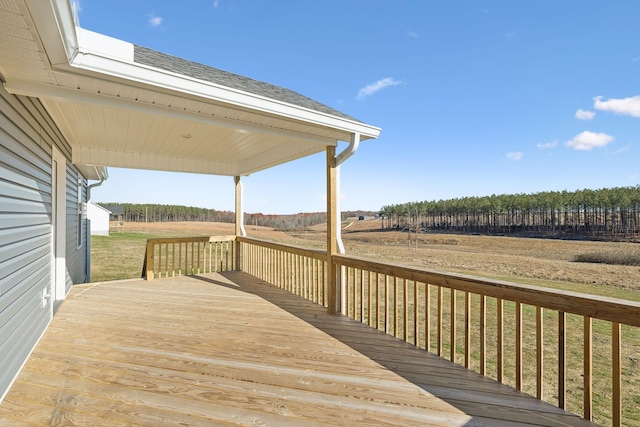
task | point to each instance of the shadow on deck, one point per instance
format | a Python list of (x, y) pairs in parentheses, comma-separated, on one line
[(229, 349)]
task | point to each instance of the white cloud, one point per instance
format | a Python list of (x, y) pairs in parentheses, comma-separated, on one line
[(412, 34), (626, 106), (547, 145), (216, 3), (587, 141), (585, 115), (377, 86), (154, 20), (515, 156)]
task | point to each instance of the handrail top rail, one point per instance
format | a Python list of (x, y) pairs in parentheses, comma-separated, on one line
[(162, 240), (312, 253), (594, 306), (205, 239)]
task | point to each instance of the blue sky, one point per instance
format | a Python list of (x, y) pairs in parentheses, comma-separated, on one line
[(473, 97)]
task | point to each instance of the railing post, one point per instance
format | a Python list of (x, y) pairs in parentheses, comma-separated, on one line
[(616, 374), (149, 261), (239, 223), (332, 218)]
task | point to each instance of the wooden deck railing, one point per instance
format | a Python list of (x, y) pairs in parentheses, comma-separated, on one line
[(189, 255), (489, 325), (563, 347), (297, 270)]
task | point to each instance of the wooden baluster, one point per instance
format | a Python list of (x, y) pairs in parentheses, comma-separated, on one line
[(320, 282), (300, 275), (292, 273), (467, 329), (159, 264), (588, 369), (323, 282), (427, 316), (310, 280), (518, 346), (616, 374), (355, 293), (296, 275), (173, 260), (186, 258), (362, 297), (166, 259), (377, 301), (347, 298), (500, 339), (303, 276), (405, 310), (386, 303), (539, 352), (439, 332), (483, 334), (282, 276), (187, 263), (285, 276), (313, 280), (205, 257), (453, 338), (227, 253), (416, 309), (193, 255), (370, 300), (216, 248), (318, 265), (395, 306), (562, 359), (288, 279)]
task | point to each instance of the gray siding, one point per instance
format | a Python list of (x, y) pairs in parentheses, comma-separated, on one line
[(26, 138), (76, 259)]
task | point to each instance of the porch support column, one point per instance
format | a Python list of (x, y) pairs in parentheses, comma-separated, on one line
[(332, 221), (240, 231)]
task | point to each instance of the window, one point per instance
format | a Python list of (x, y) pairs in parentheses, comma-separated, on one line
[(79, 214)]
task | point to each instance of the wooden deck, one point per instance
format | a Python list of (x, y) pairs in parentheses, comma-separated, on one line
[(228, 349)]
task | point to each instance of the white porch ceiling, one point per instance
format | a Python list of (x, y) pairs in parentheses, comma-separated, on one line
[(114, 111)]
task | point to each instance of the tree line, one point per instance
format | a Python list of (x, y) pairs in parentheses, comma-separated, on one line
[(177, 213), (603, 213)]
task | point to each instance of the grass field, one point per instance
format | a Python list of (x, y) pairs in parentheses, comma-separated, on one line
[(549, 263)]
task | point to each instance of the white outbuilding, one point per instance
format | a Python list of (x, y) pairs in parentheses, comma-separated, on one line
[(99, 219)]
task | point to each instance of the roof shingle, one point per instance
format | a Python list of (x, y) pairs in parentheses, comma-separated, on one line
[(152, 58)]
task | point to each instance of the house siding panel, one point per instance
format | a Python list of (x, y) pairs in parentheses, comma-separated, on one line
[(26, 308), (76, 259)]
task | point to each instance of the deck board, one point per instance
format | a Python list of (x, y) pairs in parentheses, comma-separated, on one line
[(228, 349)]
